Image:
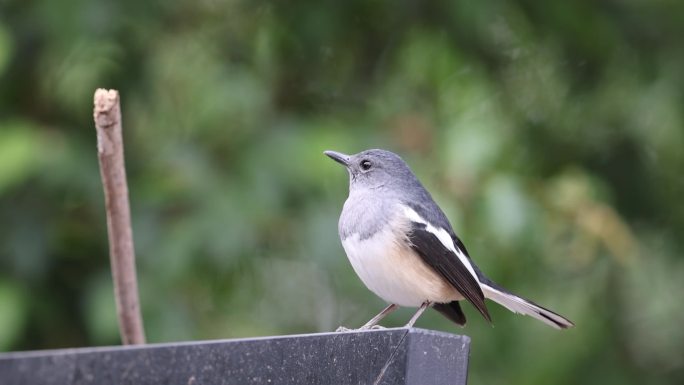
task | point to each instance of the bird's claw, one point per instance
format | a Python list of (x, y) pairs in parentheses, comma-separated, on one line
[(342, 329)]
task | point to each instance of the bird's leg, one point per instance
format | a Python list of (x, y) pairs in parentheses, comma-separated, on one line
[(420, 311), (374, 321)]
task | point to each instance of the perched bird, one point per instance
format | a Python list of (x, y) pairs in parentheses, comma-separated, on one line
[(403, 248)]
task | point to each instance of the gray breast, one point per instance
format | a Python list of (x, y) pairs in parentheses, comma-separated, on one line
[(365, 213)]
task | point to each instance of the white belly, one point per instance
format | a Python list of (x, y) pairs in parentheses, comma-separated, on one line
[(394, 272)]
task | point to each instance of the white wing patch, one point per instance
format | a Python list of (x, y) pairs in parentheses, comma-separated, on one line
[(443, 237)]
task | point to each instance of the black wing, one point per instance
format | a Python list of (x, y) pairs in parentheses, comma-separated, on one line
[(448, 265), (452, 311)]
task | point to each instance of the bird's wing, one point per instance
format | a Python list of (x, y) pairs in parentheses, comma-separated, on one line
[(452, 311), (438, 250)]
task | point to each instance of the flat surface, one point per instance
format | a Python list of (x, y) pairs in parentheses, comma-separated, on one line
[(388, 356)]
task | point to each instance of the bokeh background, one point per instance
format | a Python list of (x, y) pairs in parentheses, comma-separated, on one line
[(552, 133)]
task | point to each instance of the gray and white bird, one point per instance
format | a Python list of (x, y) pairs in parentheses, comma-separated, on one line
[(403, 248)]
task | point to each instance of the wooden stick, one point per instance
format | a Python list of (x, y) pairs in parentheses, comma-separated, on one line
[(107, 115)]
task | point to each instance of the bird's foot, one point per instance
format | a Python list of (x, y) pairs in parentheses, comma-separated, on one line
[(372, 327), (343, 329)]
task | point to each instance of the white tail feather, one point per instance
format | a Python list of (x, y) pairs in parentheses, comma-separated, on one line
[(522, 306)]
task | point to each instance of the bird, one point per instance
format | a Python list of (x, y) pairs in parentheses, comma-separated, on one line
[(403, 248)]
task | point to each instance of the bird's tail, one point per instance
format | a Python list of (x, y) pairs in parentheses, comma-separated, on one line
[(523, 306)]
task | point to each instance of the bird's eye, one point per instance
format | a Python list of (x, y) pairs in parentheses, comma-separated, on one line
[(365, 164)]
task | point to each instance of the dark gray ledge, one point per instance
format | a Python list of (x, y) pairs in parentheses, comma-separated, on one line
[(388, 356)]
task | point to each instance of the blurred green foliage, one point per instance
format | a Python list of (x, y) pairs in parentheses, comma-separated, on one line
[(552, 133)]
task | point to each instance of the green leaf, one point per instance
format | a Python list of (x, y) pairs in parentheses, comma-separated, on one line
[(12, 314), (19, 150)]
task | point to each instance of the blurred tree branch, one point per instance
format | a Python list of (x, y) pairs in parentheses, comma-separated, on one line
[(107, 115)]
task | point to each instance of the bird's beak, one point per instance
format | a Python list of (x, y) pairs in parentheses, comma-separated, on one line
[(338, 157)]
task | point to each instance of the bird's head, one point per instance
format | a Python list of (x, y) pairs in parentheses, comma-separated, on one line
[(373, 169)]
